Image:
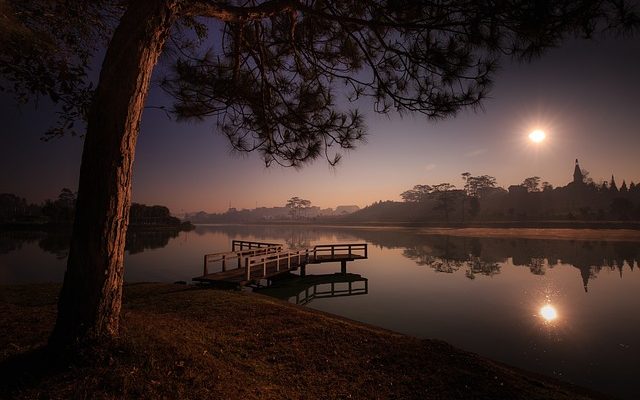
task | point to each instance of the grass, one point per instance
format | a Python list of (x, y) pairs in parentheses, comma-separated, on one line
[(180, 342)]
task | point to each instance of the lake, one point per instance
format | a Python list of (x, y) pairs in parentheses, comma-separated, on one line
[(564, 308)]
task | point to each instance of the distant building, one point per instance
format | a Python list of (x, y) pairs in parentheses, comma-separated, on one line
[(346, 209), (578, 176)]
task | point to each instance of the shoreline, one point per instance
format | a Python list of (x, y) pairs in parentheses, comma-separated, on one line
[(582, 234), (191, 342), (533, 224)]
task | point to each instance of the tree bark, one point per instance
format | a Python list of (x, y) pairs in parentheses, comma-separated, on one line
[(90, 301)]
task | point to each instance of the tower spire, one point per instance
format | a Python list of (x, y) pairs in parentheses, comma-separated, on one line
[(578, 177)]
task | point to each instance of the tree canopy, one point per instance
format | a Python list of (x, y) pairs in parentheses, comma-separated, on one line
[(279, 76)]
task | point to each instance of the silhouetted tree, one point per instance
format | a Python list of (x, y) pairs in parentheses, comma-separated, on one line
[(474, 207), (532, 184), (417, 194), (623, 188), (465, 179), (63, 208), (621, 208), (585, 176), (269, 80), (546, 186), (11, 207), (297, 206), (444, 198), (478, 184)]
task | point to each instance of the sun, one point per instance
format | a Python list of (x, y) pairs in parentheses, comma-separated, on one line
[(537, 136)]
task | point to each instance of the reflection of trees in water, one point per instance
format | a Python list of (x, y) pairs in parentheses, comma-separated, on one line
[(14, 240), (138, 241), (477, 266), (479, 256), (56, 242), (537, 266), (449, 254), (485, 255), (292, 236), (449, 263)]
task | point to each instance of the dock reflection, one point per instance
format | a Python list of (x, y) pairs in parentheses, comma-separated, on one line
[(303, 290)]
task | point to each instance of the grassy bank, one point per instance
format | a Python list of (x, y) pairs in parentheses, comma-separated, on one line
[(190, 343)]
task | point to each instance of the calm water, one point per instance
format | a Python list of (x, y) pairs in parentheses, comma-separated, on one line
[(480, 294)]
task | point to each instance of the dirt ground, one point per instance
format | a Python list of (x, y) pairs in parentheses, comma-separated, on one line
[(181, 342)]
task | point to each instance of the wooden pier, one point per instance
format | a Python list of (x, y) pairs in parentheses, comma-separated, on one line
[(249, 262)]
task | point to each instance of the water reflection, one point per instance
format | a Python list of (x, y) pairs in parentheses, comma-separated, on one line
[(548, 312), (303, 290), (56, 242), (444, 254), (448, 254), (484, 256), (482, 294)]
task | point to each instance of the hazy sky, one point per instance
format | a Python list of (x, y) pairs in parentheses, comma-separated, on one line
[(585, 95)]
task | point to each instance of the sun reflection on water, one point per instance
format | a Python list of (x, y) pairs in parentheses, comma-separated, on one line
[(548, 313)]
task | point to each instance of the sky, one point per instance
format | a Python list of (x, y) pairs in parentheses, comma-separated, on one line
[(584, 95)]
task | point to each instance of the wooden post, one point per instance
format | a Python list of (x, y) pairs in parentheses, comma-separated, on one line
[(365, 250), (277, 262), (343, 267), (204, 270), (247, 268), (264, 266), (333, 251), (224, 264), (349, 250)]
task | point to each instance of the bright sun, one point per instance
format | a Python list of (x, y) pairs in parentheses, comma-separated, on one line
[(537, 136)]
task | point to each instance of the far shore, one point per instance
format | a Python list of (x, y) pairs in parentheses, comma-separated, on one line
[(553, 224), (611, 235), (586, 234)]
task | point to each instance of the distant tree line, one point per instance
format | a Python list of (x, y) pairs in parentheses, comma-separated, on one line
[(481, 199), (16, 210), (296, 208)]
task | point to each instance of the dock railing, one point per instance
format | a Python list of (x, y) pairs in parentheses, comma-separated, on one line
[(277, 259), (249, 245), (359, 250), (234, 259)]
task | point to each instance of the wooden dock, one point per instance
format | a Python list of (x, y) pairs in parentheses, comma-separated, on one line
[(249, 262)]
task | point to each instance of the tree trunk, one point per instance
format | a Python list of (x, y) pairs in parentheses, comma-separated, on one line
[(89, 304)]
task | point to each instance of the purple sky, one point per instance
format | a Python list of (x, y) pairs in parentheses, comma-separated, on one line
[(584, 95)]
